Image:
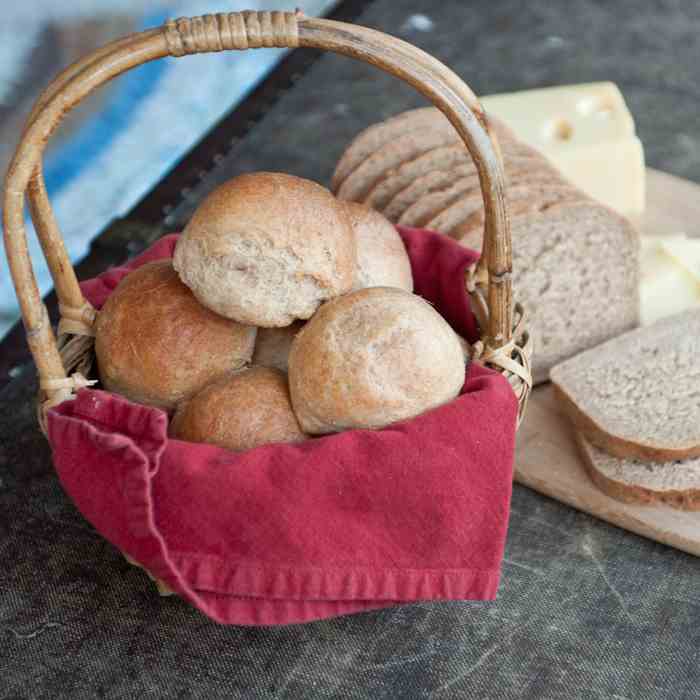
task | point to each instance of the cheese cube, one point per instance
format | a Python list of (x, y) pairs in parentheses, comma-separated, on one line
[(667, 285)]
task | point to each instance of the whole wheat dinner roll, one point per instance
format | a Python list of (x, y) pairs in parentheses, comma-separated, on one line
[(155, 343), (239, 411), (370, 358), (382, 260), (272, 345), (267, 248)]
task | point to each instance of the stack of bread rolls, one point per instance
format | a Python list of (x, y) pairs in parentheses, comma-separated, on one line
[(575, 261), (285, 313)]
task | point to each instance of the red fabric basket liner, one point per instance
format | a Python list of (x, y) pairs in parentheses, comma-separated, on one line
[(289, 533)]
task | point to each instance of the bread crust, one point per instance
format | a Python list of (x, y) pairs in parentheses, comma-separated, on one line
[(688, 500), (239, 411), (373, 137), (267, 248), (156, 344)]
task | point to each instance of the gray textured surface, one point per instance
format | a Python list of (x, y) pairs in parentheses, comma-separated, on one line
[(585, 610), (649, 48)]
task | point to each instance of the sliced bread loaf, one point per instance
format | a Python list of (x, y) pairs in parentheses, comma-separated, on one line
[(575, 261), (432, 203), (675, 484), (638, 395), (575, 271), (441, 159)]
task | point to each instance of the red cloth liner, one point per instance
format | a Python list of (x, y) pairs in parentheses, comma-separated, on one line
[(334, 525)]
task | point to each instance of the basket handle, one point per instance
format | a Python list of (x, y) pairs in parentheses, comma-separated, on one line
[(237, 31), (77, 314)]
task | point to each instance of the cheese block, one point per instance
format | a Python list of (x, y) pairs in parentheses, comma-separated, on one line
[(587, 132), (685, 252), (670, 276)]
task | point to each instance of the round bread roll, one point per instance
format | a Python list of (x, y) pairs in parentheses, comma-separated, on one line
[(371, 358), (239, 411), (273, 344), (266, 249), (382, 260), (156, 344)]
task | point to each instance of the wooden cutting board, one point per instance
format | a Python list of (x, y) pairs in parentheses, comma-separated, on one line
[(547, 458)]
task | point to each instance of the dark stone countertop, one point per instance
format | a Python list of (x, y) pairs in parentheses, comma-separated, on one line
[(584, 610)]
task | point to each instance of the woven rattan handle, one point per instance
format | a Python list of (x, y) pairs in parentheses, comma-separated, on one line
[(217, 33)]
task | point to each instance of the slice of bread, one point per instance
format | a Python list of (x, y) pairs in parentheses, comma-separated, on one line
[(675, 484), (638, 395)]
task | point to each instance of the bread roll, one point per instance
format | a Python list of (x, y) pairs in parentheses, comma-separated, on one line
[(239, 411), (155, 343), (273, 344), (266, 249), (382, 260), (370, 358)]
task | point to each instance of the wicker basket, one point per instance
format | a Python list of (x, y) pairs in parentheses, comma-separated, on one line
[(64, 362)]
